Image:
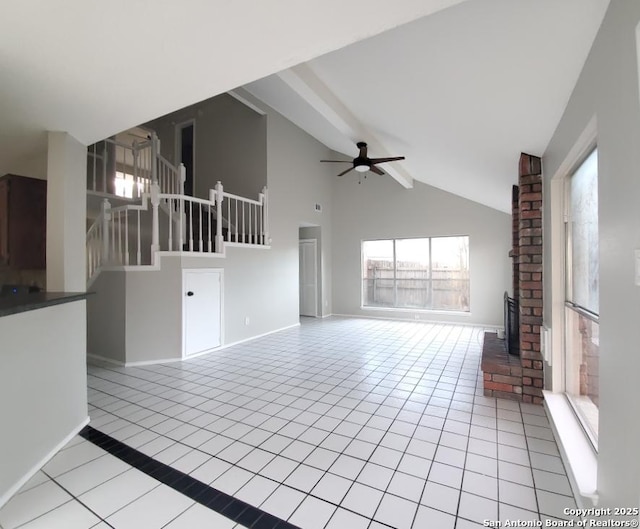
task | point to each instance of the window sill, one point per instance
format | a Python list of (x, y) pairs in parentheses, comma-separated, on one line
[(420, 311), (575, 447)]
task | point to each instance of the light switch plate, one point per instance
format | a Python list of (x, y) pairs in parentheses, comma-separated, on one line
[(637, 267)]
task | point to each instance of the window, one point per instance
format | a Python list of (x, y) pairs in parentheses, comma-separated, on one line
[(581, 294), (421, 273)]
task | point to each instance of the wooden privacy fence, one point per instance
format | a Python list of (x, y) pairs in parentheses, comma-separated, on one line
[(420, 288)]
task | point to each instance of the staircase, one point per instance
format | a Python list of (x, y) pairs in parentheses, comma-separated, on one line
[(158, 218)]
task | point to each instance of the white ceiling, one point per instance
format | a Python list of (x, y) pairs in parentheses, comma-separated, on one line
[(460, 87), (460, 93), (95, 68)]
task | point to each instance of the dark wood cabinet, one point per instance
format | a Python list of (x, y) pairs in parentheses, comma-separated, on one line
[(23, 222)]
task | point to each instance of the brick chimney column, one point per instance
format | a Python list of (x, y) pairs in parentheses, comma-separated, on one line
[(529, 264)]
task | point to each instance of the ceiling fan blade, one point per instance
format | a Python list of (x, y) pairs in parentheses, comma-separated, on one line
[(337, 161), (376, 170), (382, 160), (345, 172)]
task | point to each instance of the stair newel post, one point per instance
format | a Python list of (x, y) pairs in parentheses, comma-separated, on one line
[(219, 197), (155, 231), (182, 178), (155, 149), (106, 218), (265, 215)]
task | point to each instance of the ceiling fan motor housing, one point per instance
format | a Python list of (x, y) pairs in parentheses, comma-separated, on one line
[(362, 163)]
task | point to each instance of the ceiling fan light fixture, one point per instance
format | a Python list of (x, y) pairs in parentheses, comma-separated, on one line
[(362, 163)]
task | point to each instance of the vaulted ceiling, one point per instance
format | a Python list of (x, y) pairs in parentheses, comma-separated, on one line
[(96, 68), (459, 87), (460, 93)]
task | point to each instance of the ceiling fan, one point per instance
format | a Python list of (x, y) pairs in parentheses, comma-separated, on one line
[(362, 163)]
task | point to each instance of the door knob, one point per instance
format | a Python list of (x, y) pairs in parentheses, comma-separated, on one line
[(189, 293)]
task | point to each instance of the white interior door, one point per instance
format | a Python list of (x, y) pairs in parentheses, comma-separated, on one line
[(308, 277), (201, 312)]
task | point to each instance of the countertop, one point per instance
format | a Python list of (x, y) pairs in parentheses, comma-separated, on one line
[(14, 304)]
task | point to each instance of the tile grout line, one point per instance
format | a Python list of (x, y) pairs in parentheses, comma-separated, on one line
[(218, 501), (302, 388)]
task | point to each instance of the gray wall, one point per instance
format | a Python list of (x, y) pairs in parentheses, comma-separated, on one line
[(261, 284), (106, 316), (608, 90), (43, 388), (380, 208), (230, 145)]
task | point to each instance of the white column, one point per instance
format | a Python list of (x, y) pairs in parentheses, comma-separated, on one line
[(66, 213)]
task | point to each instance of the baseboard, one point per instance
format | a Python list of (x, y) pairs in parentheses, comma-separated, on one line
[(153, 362), (212, 351), (225, 346), (463, 323), (327, 316), (118, 363), (104, 359), (32, 472)]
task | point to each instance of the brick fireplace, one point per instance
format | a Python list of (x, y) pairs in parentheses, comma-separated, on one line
[(509, 376)]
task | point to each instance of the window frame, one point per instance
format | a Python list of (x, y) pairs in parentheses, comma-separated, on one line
[(572, 309), (396, 308)]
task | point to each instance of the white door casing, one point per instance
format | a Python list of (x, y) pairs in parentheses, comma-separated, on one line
[(308, 277), (201, 310)]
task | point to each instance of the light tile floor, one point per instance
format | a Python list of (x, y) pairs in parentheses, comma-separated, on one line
[(341, 423)]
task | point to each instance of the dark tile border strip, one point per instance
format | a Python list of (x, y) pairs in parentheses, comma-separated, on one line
[(234, 509)]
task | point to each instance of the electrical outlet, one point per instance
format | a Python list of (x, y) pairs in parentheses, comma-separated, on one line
[(247, 320)]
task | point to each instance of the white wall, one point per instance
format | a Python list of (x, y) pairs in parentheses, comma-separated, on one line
[(380, 208), (154, 313), (43, 388), (33, 165), (66, 213), (608, 90)]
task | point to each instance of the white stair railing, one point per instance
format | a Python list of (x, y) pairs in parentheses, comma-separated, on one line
[(190, 224), (170, 179), (129, 170), (98, 241), (128, 236), (246, 219), (133, 234), (119, 169)]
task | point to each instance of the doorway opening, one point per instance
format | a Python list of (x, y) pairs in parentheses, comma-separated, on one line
[(308, 277), (310, 271), (185, 152)]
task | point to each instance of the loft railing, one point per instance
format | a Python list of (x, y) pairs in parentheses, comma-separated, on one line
[(132, 235), (189, 225), (247, 219), (117, 168)]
